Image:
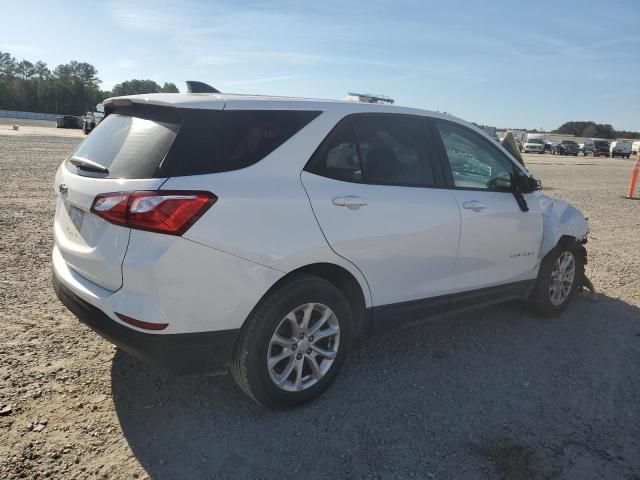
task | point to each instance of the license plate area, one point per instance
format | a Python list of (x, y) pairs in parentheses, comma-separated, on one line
[(76, 216)]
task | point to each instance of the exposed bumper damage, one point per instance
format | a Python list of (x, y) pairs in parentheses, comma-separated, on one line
[(561, 219)]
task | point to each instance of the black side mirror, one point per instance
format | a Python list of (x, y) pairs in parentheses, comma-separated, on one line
[(525, 184), (503, 182)]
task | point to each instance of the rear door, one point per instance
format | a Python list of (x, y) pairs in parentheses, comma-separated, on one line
[(499, 242), (123, 153), (373, 187)]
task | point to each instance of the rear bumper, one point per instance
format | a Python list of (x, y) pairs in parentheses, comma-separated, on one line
[(179, 353)]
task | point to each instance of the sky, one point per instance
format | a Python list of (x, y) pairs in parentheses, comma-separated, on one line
[(505, 64)]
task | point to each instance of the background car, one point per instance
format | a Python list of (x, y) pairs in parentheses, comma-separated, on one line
[(68, 121), (90, 120), (549, 145), (566, 147), (601, 147), (585, 148), (620, 148)]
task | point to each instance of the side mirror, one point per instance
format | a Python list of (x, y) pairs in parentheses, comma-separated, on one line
[(503, 182), (526, 184)]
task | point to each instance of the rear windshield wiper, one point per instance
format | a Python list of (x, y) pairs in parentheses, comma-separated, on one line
[(86, 164)]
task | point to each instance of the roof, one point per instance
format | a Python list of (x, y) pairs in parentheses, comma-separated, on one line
[(233, 101)]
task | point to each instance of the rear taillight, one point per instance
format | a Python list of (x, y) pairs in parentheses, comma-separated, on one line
[(159, 211)]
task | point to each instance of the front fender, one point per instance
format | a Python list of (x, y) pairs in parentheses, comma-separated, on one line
[(560, 219)]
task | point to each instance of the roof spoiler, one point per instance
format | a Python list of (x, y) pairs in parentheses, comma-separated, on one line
[(199, 87)]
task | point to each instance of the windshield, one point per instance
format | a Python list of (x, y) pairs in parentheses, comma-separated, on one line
[(534, 140), (569, 142)]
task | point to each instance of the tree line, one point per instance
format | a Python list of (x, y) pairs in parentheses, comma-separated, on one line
[(594, 130), (71, 88)]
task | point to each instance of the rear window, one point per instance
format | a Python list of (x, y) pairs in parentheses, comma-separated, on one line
[(212, 141), (129, 147), (170, 142)]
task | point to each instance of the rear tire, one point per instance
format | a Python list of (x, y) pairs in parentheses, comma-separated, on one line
[(561, 275), (280, 327)]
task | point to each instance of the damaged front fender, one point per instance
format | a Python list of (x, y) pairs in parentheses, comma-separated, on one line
[(560, 219)]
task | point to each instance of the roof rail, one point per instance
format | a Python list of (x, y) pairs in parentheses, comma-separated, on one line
[(370, 98), (199, 87)]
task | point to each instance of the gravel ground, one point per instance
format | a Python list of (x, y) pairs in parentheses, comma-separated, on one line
[(498, 393)]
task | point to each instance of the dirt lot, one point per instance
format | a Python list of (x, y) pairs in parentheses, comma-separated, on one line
[(495, 394)]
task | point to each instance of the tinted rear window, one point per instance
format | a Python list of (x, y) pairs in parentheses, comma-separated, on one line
[(378, 149), (212, 141), (169, 143), (130, 147)]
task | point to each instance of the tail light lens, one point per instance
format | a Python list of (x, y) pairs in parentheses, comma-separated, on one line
[(161, 211)]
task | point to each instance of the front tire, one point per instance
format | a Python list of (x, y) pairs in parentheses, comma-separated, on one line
[(294, 343), (561, 275)]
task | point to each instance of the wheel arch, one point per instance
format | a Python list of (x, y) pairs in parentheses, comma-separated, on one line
[(343, 279)]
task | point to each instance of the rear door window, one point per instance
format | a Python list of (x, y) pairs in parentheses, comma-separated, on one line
[(393, 150), (337, 157), (376, 149)]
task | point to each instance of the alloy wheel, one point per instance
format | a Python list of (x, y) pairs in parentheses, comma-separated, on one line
[(562, 277), (303, 347)]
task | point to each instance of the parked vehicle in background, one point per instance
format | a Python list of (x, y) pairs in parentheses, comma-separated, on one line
[(601, 147), (587, 147), (620, 148), (90, 120), (566, 147), (534, 143), (549, 145), (68, 121), (635, 148), (175, 221)]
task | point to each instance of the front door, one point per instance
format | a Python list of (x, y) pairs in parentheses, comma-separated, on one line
[(499, 242)]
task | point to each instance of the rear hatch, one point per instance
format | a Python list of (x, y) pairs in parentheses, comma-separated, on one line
[(123, 153)]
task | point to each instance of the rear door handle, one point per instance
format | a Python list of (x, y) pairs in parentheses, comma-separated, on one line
[(350, 201), (474, 205)]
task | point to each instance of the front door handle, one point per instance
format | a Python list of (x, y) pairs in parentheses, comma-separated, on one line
[(474, 205), (350, 201)]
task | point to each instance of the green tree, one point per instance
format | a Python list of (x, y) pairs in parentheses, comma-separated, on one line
[(135, 87), (7, 64), (587, 129), (25, 69), (41, 69), (169, 87)]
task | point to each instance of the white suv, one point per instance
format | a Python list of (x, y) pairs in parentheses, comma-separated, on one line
[(210, 231)]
